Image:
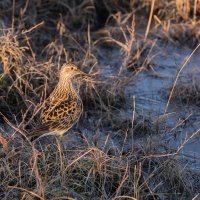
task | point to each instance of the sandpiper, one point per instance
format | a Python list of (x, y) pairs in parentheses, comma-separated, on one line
[(62, 109)]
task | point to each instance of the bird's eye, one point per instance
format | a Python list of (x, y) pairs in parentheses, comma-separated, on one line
[(72, 68)]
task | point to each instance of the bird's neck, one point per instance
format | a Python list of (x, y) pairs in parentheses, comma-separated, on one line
[(67, 85)]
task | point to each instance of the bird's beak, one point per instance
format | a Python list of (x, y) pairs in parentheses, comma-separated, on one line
[(84, 74)]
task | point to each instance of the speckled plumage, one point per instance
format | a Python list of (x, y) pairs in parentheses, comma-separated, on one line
[(62, 109)]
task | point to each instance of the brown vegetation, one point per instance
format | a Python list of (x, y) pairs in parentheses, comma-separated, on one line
[(36, 38)]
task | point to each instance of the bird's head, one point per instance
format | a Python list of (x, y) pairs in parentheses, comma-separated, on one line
[(69, 70)]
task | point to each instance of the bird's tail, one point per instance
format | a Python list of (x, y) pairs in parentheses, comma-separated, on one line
[(40, 132)]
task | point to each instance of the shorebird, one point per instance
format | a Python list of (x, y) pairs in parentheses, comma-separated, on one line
[(62, 109)]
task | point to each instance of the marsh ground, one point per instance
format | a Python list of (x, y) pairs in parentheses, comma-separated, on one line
[(138, 137)]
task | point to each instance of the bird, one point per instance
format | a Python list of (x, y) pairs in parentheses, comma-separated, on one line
[(63, 108)]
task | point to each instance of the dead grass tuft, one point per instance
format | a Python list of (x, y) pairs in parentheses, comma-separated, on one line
[(185, 92)]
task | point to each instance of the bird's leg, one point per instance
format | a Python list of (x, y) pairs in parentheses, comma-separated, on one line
[(61, 138), (60, 146), (61, 141), (55, 140)]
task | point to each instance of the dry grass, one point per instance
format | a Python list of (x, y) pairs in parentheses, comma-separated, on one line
[(178, 22), (36, 37), (186, 92), (89, 173)]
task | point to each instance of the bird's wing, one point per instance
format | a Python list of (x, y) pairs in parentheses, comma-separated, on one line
[(63, 109), (58, 116)]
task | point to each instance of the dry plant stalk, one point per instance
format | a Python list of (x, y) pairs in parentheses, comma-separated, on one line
[(183, 8), (4, 143), (149, 21), (178, 75)]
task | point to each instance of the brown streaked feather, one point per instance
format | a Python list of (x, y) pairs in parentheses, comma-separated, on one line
[(58, 116), (59, 108)]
